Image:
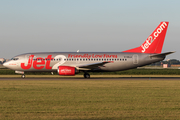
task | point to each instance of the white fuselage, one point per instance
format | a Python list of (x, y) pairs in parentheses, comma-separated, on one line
[(49, 61)]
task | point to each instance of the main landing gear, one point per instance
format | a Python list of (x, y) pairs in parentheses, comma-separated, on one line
[(86, 75)]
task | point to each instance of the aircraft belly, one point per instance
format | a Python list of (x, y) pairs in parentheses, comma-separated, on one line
[(117, 66)]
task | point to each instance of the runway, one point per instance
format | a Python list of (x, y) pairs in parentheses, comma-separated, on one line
[(95, 79)]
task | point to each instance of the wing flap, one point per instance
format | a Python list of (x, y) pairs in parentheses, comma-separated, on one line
[(92, 66)]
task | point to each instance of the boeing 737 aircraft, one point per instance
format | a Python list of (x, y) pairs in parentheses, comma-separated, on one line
[(71, 63)]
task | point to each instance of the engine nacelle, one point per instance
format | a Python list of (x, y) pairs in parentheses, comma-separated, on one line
[(67, 70)]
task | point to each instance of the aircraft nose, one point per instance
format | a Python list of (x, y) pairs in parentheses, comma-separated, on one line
[(5, 64), (10, 65)]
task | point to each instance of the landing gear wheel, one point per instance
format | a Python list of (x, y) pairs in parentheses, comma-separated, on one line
[(23, 76), (86, 75)]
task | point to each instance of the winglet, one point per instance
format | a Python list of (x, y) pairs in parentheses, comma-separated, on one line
[(154, 43)]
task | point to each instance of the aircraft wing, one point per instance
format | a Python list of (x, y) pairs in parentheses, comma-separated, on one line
[(91, 66)]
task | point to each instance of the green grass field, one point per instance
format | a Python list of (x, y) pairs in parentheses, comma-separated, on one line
[(89, 99)]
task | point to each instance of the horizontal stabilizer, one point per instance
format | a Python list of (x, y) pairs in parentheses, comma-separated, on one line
[(161, 54)]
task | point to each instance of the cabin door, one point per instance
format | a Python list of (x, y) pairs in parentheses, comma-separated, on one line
[(135, 59)]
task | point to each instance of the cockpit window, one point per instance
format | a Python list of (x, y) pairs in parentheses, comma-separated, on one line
[(14, 58)]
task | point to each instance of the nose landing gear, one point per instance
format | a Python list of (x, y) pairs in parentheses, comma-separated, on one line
[(23, 76)]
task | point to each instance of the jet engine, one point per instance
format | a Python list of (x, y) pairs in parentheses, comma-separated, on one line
[(67, 70)]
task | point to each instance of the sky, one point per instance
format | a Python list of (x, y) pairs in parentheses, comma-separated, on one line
[(85, 25)]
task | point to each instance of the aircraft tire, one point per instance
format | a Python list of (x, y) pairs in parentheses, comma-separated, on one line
[(23, 76), (86, 75)]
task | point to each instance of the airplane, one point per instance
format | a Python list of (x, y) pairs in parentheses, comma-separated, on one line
[(71, 63)]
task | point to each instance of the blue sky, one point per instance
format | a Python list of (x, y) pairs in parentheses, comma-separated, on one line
[(85, 25)]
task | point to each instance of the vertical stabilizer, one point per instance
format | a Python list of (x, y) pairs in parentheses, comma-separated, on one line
[(154, 43)]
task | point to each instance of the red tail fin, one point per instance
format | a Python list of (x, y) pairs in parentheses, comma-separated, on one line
[(154, 42)]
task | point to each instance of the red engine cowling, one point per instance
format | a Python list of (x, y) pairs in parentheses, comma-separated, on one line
[(66, 70)]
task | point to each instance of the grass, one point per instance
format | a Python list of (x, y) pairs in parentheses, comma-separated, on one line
[(89, 99)]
